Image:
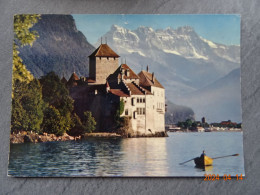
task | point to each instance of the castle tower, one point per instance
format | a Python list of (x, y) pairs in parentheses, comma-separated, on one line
[(102, 62)]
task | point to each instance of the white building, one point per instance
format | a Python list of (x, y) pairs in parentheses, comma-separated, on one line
[(142, 94)]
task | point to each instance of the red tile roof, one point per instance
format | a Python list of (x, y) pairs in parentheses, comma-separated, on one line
[(119, 92), (104, 51), (90, 80), (134, 89), (146, 80), (117, 74), (73, 79)]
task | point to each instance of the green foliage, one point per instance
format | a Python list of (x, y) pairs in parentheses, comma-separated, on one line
[(77, 127), (121, 107), (53, 121), (187, 124), (22, 25), (119, 112), (56, 94), (23, 36), (89, 122), (27, 106), (27, 103)]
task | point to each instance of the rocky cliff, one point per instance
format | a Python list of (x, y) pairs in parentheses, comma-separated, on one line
[(60, 48)]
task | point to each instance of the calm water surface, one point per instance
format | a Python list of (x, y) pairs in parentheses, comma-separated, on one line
[(129, 157)]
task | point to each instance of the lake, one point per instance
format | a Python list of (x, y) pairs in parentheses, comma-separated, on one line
[(129, 157)]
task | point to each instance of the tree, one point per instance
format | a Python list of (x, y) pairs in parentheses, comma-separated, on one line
[(188, 123), (23, 36), (56, 94), (27, 106), (27, 103), (53, 121), (77, 127), (89, 122)]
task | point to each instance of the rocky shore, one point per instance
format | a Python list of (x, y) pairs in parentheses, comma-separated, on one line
[(24, 137), (31, 137)]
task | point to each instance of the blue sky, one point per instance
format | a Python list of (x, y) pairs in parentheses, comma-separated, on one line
[(217, 28)]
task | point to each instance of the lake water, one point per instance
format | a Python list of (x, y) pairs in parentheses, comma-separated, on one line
[(129, 157)]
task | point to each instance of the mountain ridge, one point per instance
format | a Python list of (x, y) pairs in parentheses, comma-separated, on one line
[(60, 48)]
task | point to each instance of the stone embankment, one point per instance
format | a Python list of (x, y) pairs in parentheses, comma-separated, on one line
[(24, 137), (31, 137)]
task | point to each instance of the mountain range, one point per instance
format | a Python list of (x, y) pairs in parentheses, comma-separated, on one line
[(190, 67)]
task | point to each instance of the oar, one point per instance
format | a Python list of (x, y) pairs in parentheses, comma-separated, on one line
[(187, 161), (225, 156)]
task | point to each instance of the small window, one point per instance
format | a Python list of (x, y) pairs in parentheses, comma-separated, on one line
[(143, 111), (141, 100), (144, 100), (138, 111), (133, 101), (137, 100), (126, 112)]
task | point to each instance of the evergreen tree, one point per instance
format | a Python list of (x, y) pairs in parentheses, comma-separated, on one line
[(77, 126), (57, 96), (89, 122)]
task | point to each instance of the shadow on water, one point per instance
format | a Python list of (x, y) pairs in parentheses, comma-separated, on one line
[(204, 168)]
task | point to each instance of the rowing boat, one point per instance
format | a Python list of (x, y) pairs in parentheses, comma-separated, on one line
[(203, 160)]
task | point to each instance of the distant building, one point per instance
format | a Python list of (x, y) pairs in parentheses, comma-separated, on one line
[(108, 84), (228, 123), (203, 120)]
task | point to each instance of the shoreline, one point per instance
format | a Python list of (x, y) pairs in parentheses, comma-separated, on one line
[(204, 131), (31, 137)]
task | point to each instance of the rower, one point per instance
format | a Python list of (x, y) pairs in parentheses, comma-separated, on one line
[(203, 154)]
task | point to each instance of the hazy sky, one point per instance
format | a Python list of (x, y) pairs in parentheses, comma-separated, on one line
[(217, 28)]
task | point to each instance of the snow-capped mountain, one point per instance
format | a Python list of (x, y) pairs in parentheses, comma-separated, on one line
[(182, 60)]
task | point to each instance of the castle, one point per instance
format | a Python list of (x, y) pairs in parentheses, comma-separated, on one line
[(108, 84)]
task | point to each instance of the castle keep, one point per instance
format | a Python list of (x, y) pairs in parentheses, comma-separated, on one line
[(109, 83)]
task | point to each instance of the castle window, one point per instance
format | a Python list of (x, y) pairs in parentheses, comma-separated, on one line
[(138, 111), (134, 114), (137, 100), (107, 58), (126, 112), (143, 100), (133, 101), (100, 58), (143, 111)]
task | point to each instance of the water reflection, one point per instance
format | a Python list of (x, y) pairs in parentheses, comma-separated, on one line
[(145, 157), (128, 157)]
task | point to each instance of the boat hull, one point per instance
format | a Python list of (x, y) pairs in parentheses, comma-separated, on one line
[(203, 161)]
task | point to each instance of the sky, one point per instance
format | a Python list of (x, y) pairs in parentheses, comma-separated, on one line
[(218, 28)]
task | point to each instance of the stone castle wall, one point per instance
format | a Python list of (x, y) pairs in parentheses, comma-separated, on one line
[(101, 67)]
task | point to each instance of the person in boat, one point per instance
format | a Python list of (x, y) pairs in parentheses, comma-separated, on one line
[(203, 154)]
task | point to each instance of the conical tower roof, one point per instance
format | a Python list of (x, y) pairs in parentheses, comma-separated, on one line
[(104, 51), (73, 80)]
